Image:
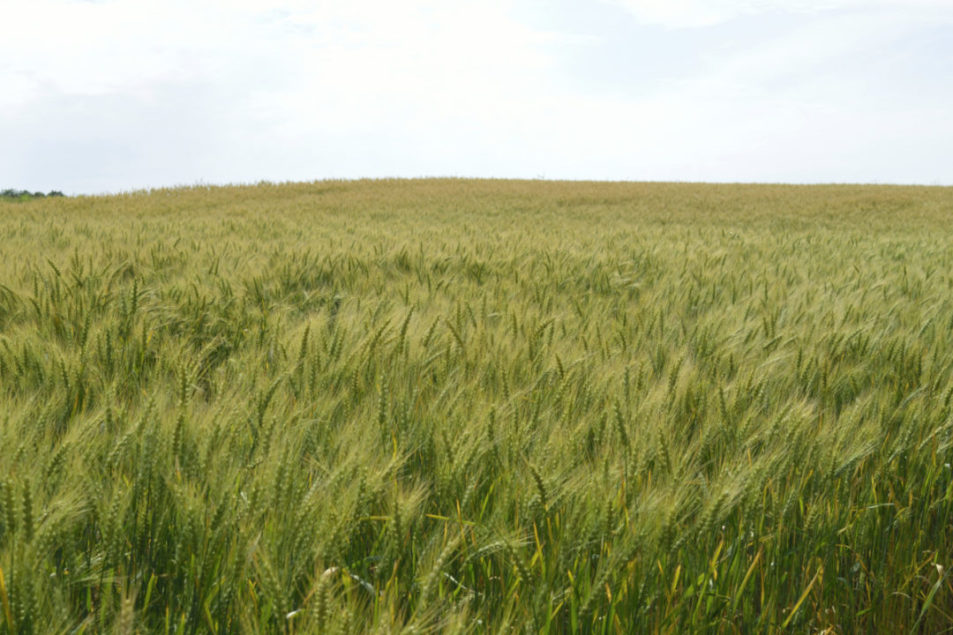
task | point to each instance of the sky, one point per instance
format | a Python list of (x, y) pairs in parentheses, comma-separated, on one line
[(101, 96)]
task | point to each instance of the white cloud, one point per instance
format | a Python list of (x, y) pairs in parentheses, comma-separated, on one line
[(86, 48), (359, 58), (839, 53), (285, 77), (703, 13), (121, 93)]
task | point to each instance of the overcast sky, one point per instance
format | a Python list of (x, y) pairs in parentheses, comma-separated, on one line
[(113, 95)]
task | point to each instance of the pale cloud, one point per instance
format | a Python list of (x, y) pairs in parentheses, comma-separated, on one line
[(706, 13), (816, 59), (359, 59), (284, 85), (95, 48), (122, 94), (86, 47)]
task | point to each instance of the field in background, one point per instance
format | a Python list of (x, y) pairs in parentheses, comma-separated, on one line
[(467, 405)]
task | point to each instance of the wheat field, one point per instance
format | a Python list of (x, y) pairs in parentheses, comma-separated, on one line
[(477, 406)]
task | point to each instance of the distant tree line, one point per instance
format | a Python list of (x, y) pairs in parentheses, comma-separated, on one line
[(23, 195)]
